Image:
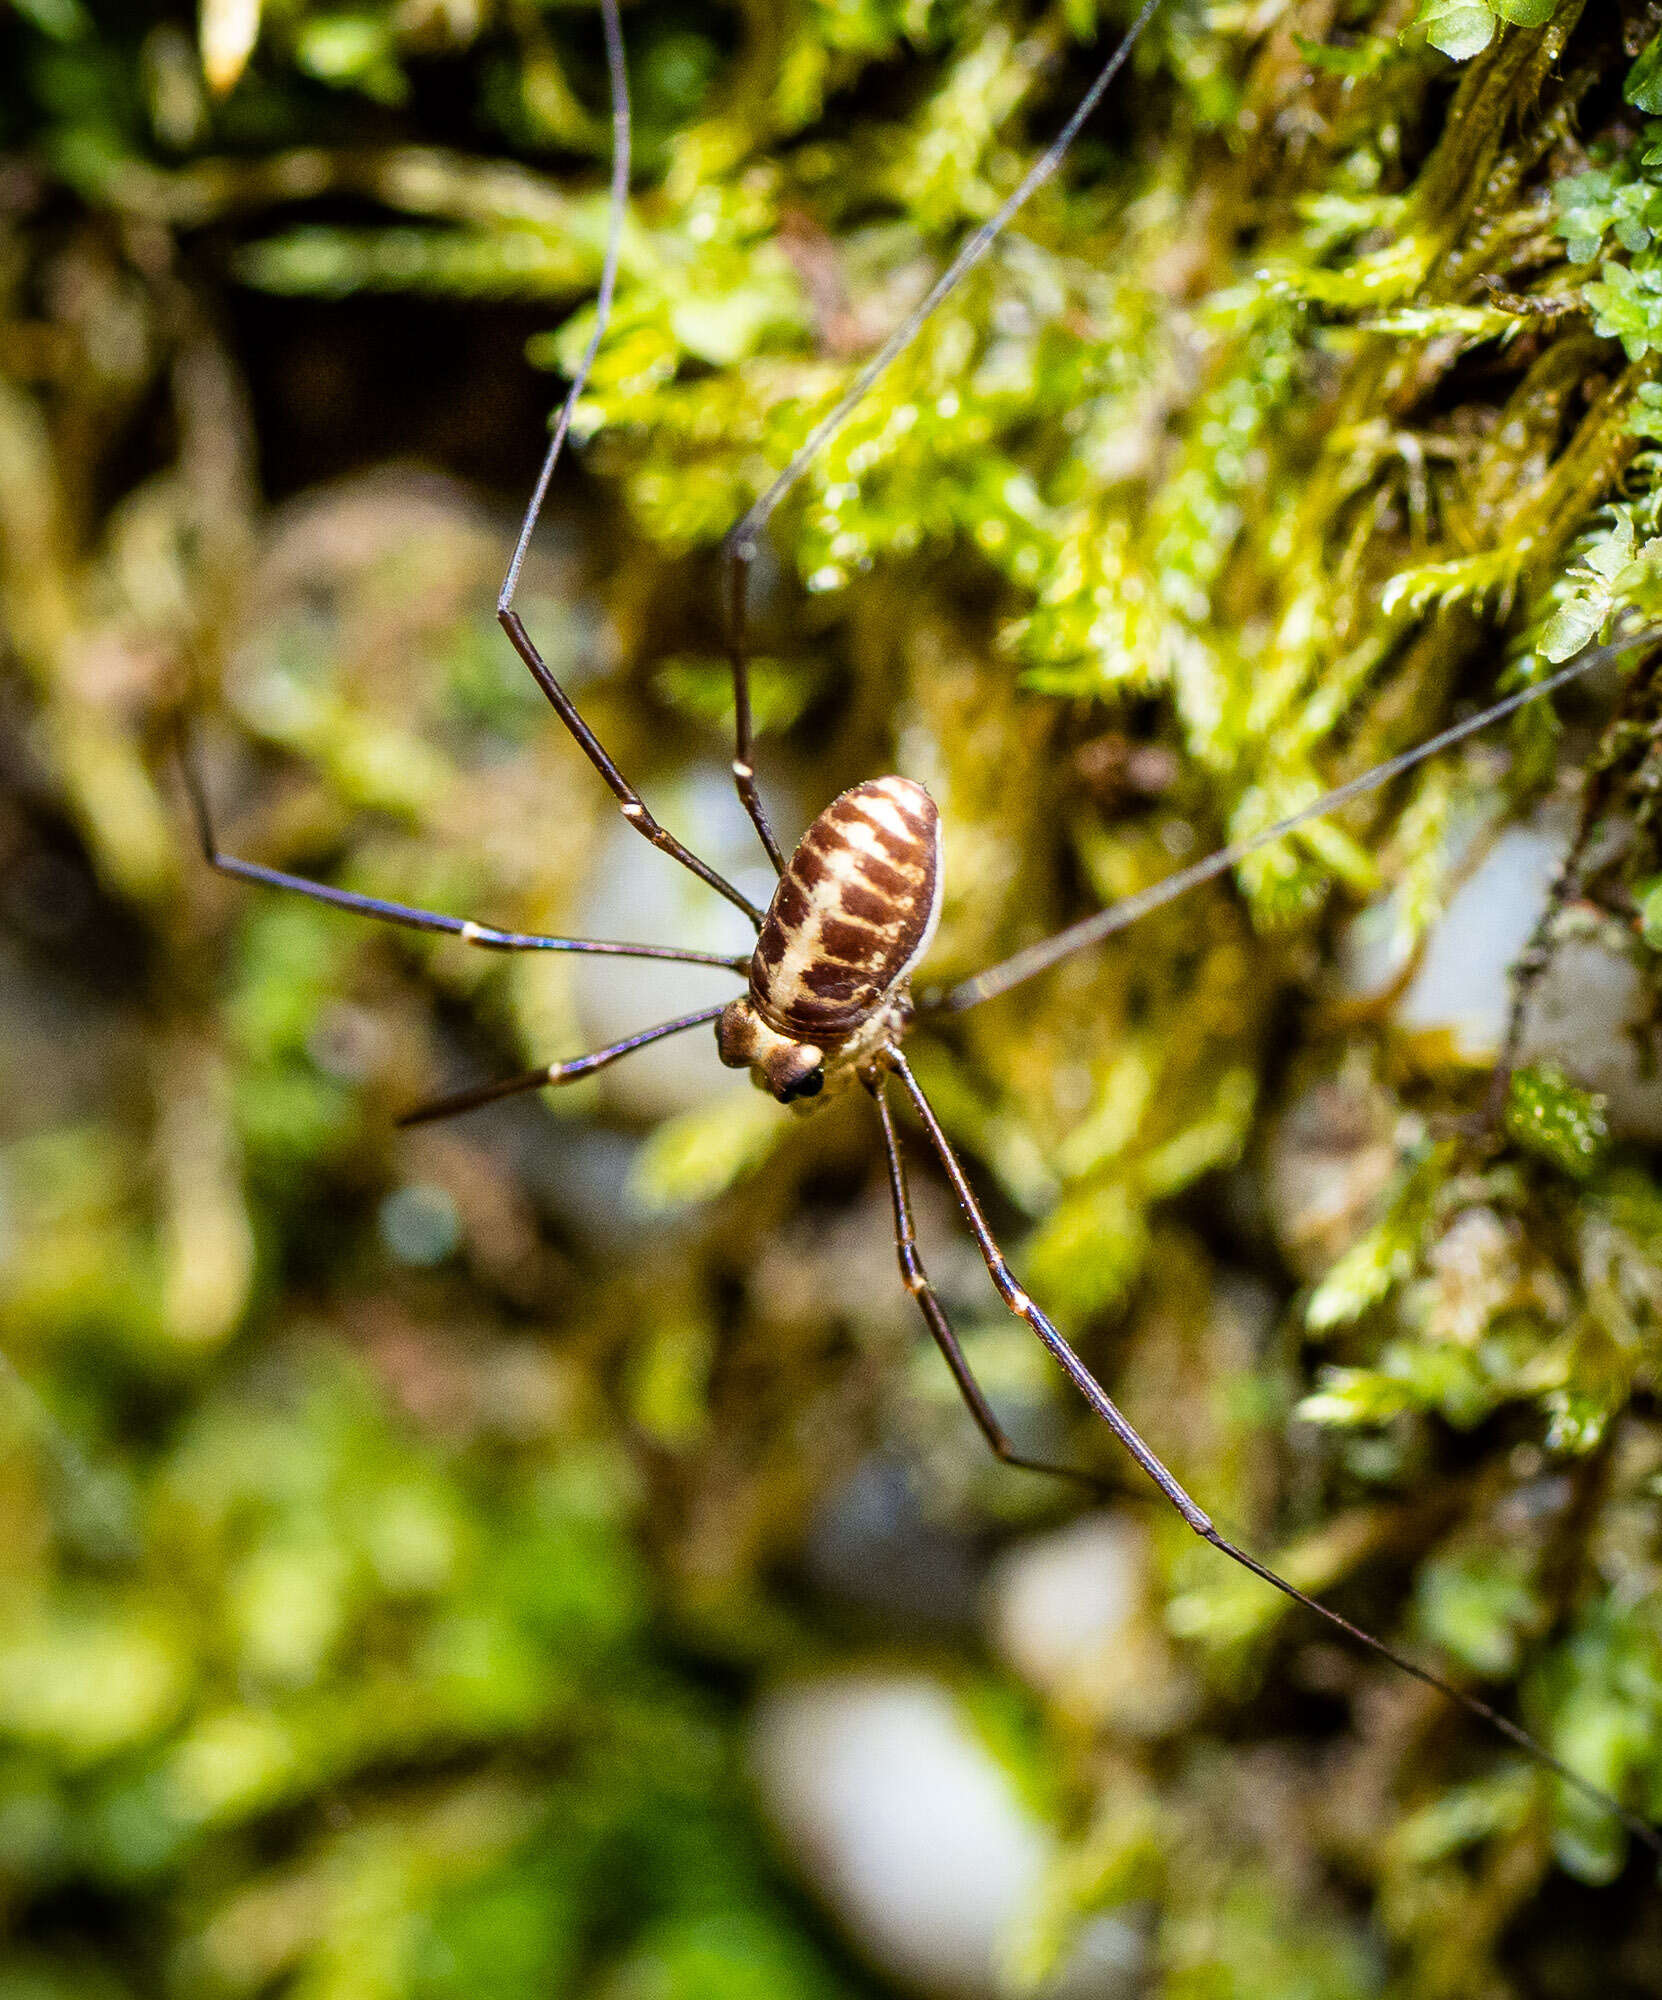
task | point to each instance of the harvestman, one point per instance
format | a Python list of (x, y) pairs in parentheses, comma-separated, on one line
[(828, 990)]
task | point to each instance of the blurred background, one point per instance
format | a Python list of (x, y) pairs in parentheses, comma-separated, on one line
[(539, 1555)]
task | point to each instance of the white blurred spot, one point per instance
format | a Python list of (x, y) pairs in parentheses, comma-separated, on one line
[(903, 1823), (1068, 1612), (1058, 1601), (419, 1224), (1588, 1011), (1462, 984)]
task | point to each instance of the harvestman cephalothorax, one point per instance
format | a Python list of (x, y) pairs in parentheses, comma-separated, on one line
[(827, 999)]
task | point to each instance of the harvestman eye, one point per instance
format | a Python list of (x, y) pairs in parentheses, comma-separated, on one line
[(827, 994)]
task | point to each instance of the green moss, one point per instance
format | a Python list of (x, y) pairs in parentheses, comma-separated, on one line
[(458, 1480), (1548, 1115)]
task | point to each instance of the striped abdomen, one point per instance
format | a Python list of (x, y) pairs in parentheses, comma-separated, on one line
[(853, 913)]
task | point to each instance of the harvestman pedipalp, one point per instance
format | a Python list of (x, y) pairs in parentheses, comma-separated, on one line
[(828, 990)]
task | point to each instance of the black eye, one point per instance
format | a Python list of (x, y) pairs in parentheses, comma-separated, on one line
[(805, 1086)]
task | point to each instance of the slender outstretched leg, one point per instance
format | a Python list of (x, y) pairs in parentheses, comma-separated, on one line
[(740, 548), (629, 800), (557, 1072), (1193, 1514), (744, 758), (1092, 930), (487, 936), (916, 1281)]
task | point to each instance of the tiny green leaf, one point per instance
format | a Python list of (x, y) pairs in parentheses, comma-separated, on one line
[(1570, 628), (1627, 305), (1644, 419), (1460, 28), (1643, 89)]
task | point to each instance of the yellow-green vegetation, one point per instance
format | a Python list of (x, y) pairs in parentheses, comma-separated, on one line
[(394, 1528)]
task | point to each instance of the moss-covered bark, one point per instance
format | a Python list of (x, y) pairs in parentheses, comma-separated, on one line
[(394, 1528)]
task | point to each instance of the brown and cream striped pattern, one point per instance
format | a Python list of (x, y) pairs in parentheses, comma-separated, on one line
[(853, 913)]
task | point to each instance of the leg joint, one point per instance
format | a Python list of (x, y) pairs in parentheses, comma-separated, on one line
[(1013, 1295)]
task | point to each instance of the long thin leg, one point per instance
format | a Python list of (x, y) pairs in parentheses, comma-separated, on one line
[(740, 547), (629, 800), (487, 936), (916, 1281), (1193, 1514), (1092, 930), (557, 1072), (744, 766)]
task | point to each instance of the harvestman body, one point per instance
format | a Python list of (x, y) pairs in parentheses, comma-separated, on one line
[(828, 988), (853, 914)]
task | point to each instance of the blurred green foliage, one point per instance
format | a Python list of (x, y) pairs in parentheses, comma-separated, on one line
[(396, 1526)]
